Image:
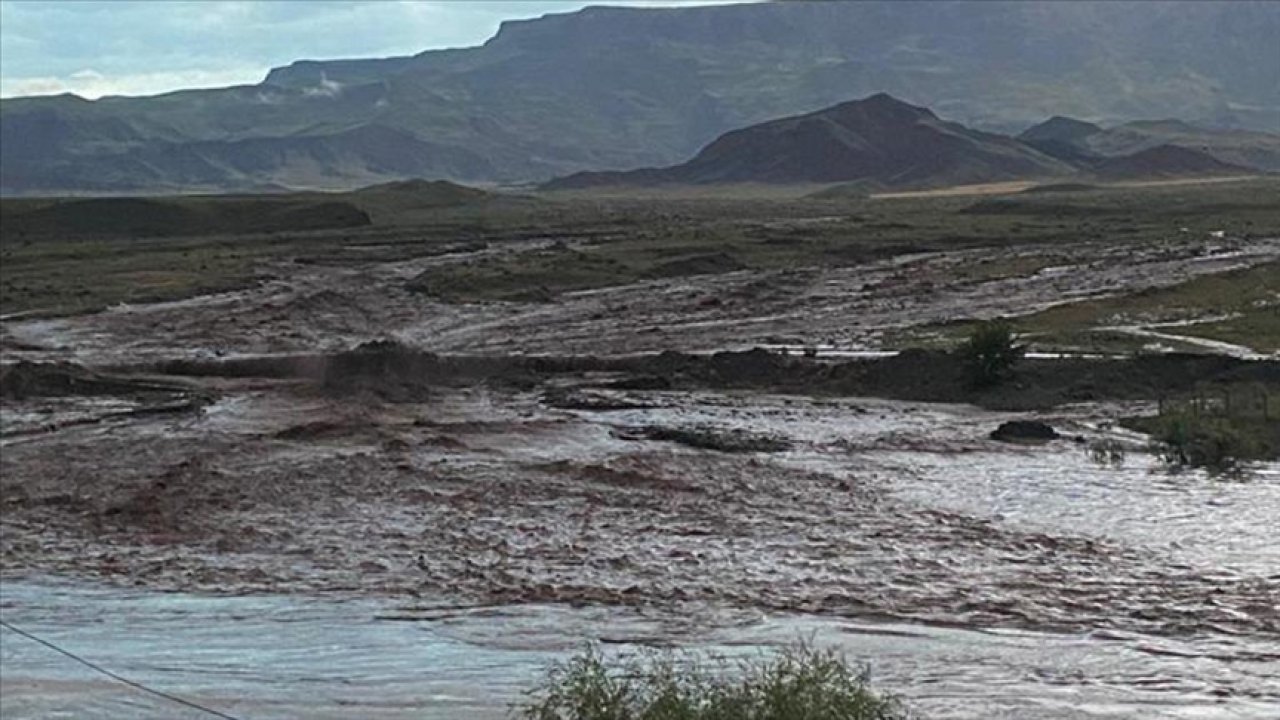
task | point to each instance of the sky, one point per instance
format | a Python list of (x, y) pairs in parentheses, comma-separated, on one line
[(117, 47)]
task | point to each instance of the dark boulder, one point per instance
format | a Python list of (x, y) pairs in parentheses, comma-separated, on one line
[(1024, 431)]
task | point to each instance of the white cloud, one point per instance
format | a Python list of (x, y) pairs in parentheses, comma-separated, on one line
[(327, 88), (139, 47), (89, 83)]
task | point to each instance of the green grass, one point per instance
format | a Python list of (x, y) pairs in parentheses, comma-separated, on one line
[(1214, 442), (800, 683), (1216, 427), (1256, 327), (1251, 297)]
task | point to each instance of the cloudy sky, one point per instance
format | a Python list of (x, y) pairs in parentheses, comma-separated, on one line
[(100, 47)]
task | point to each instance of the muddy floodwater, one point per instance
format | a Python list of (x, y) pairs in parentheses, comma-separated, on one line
[(275, 545), (339, 562), (283, 657)]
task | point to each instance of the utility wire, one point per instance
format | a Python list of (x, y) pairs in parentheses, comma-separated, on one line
[(98, 668)]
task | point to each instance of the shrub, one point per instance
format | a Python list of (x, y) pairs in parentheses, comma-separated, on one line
[(990, 353), (800, 683), (1107, 452), (1186, 439)]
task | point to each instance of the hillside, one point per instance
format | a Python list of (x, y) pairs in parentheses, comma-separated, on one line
[(1082, 142), (1165, 161), (176, 216), (879, 140), (620, 88)]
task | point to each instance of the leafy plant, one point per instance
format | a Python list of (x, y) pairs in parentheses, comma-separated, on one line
[(800, 683), (990, 353), (1188, 439)]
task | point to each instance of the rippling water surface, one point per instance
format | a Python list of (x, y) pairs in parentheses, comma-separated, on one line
[(976, 580), (278, 657)]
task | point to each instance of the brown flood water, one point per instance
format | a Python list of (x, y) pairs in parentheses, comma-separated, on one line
[(978, 580)]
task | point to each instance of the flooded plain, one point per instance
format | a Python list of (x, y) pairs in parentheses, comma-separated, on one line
[(274, 546), (285, 554)]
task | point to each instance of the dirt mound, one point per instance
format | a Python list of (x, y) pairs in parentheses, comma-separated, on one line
[(385, 368)]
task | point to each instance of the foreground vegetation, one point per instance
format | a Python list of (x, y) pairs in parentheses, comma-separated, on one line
[(800, 683)]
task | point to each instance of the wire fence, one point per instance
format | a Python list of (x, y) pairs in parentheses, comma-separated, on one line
[(1243, 403), (114, 676)]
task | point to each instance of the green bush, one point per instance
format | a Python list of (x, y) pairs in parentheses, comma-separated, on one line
[(1186, 439), (990, 353), (800, 683)]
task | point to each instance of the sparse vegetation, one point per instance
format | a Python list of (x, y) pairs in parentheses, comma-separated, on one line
[(1107, 452), (1185, 439), (799, 683), (990, 353), (1218, 429), (615, 240), (1248, 299)]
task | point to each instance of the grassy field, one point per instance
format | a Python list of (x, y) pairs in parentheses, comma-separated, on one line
[(600, 240), (1249, 300)]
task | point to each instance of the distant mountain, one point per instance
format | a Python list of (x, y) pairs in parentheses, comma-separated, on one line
[(879, 140), (1059, 129), (1165, 161), (619, 88), (1082, 142)]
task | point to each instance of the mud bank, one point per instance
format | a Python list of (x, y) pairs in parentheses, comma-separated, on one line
[(393, 370)]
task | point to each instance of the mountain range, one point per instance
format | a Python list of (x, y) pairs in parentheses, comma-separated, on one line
[(1086, 144), (882, 142), (614, 88)]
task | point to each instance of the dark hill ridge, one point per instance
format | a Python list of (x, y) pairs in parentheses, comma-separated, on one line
[(1165, 161), (237, 214), (1060, 129), (177, 216), (880, 139), (1087, 144), (619, 88)]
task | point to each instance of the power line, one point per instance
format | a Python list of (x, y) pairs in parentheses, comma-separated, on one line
[(98, 668)]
